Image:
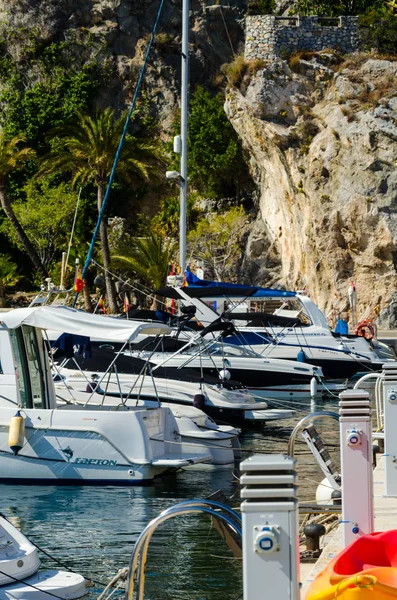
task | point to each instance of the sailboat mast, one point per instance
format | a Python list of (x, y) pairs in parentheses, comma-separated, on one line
[(184, 129)]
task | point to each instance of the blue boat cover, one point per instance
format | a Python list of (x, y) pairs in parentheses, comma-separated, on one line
[(235, 288)]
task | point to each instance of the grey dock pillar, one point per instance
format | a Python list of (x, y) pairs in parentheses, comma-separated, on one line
[(389, 381), (270, 528), (356, 464)]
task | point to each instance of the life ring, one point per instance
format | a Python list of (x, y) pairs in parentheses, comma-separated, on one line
[(365, 329)]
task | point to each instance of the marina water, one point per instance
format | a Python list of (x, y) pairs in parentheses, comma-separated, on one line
[(93, 529)]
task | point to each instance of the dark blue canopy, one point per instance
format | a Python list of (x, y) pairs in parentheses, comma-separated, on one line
[(231, 289)]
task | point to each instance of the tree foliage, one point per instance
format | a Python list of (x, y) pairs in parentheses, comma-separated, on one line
[(46, 216), (149, 258), (379, 29), (9, 276), (44, 82), (166, 220), (86, 149), (13, 156), (261, 7), (216, 241), (214, 153), (214, 158), (335, 8)]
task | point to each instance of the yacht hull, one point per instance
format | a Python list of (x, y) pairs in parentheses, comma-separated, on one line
[(89, 447)]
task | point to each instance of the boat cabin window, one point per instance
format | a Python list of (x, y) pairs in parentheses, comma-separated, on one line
[(28, 367), (219, 349), (282, 307)]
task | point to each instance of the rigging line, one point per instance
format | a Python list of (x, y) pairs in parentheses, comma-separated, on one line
[(149, 295), (73, 226), (120, 585), (145, 289), (227, 31), (120, 146), (63, 565), (305, 279)]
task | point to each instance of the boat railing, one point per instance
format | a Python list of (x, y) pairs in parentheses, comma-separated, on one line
[(136, 572), (51, 296)]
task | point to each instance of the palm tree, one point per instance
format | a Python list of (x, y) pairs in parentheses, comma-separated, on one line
[(8, 277), (87, 150), (12, 157), (149, 258)]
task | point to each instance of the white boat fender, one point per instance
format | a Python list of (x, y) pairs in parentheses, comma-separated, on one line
[(199, 401), (313, 387), (16, 432), (224, 374)]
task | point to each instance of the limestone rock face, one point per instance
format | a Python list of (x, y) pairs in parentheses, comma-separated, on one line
[(323, 151)]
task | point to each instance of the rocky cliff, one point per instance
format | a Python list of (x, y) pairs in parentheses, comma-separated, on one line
[(120, 31), (321, 141)]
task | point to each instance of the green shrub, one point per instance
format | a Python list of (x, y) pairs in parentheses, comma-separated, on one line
[(166, 221), (261, 7), (215, 162), (163, 39), (379, 30), (215, 159), (335, 8), (61, 78)]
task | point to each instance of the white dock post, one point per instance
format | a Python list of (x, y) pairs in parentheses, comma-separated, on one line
[(270, 528), (356, 464), (390, 420)]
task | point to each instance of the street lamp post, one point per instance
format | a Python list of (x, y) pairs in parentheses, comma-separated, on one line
[(184, 129)]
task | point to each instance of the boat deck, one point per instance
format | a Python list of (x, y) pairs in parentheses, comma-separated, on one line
[(385, 513)]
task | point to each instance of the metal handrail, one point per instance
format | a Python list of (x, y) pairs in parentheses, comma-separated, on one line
[(365, 378), (311, 416), (182, 508), (379, 408)]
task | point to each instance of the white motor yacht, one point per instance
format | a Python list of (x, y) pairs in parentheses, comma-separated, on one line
[(50, 445), (296, 329), (227, 402), (198, 432), (264, 378)]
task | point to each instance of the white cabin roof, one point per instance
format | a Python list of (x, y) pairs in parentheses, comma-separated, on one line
[(69, 320)]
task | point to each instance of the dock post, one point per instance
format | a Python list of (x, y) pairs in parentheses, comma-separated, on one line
[(270, 527), (389, 382), (356, 464)]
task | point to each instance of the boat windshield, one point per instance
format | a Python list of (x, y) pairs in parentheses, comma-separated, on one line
[(222, 350), (272, 311)]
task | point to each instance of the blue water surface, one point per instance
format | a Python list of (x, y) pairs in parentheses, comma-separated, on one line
[(93, 529)]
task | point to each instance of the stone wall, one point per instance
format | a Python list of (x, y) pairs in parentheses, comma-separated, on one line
[(267, 36)]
